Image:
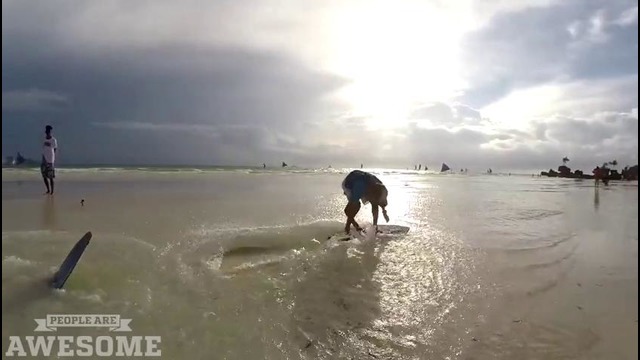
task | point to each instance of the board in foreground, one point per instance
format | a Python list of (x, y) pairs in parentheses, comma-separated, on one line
[(69, 263)]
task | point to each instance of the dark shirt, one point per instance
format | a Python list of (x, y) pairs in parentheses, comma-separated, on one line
[(358, 175)]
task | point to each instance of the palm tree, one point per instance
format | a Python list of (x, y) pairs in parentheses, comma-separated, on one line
[(613, 163), (565, 160)]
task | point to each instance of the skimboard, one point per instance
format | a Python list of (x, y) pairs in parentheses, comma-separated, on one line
[(392, 229), (67, 266), (384, 230)]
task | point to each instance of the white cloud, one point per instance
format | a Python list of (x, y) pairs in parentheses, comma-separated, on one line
[(575, 98), (485, 10), (597, 27), (575, 29), (32, 100), (149, 126), (628, 17)]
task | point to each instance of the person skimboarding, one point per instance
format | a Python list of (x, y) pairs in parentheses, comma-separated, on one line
[(363, 186)]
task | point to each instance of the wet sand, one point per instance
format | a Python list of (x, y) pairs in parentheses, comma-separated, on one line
[(236, 265)]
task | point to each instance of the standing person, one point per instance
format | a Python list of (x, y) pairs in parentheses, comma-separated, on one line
[(47, 167), (597, 175), (360, 185)]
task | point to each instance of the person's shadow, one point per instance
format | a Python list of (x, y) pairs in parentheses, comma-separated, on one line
[(49, 221), (337, 299)]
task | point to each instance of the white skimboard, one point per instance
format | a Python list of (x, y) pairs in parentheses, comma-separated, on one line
[(383, 230)]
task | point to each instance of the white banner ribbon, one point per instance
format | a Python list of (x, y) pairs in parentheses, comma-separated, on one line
[(124, 326), (111, 321), (42, 325)]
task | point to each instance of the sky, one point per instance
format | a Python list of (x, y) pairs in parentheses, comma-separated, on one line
[(500, 84)]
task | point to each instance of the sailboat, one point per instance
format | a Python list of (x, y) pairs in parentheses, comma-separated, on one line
[(444, 167), (19, 159)]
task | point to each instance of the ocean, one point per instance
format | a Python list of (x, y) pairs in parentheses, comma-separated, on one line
[(234, 263)]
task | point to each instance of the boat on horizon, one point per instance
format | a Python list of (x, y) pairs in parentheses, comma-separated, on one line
[(18, 160)]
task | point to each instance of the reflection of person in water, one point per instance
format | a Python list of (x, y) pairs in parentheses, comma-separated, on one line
[(596, 198), (48, 213), (337, 298)]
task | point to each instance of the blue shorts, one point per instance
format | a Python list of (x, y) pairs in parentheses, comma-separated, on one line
[(356, 190)]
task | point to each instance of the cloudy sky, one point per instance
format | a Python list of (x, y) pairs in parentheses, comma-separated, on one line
[(497, 83)]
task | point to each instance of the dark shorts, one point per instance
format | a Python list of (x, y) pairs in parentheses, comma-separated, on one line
[(47, 170)]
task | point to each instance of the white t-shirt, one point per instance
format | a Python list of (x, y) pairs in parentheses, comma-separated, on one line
[(48, 147)]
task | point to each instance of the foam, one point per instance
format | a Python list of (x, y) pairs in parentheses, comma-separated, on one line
[(13, 260)]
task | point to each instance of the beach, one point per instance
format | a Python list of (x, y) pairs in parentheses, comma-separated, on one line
[(235, 263)]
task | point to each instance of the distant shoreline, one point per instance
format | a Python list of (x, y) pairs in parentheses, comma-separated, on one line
[(111, 168)]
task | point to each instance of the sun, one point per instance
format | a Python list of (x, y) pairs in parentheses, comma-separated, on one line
[(396, 56)]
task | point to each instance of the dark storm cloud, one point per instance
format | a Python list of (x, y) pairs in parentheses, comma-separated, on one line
[(172, 87), (577, 131), (536, 45)]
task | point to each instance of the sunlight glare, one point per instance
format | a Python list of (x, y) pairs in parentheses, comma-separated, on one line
[(396, 55), (529, 104)]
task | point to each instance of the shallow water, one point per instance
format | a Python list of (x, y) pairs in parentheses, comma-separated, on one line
[(236, 264)]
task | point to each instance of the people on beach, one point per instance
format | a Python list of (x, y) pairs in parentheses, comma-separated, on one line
[(600, 174), (47, 166), (360, 185), (596, 175)]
